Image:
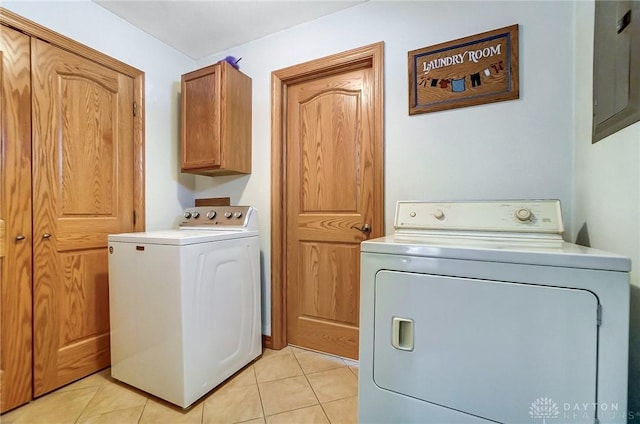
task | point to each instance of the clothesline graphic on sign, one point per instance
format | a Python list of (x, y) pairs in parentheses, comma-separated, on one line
[(458, 85)]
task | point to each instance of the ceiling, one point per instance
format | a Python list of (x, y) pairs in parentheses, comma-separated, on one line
[(202, 28)]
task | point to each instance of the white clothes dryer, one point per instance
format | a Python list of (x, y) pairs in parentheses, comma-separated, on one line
[(185, 303), (476, 312)]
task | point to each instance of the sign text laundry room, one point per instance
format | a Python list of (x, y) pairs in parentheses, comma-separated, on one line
[(481, 68)]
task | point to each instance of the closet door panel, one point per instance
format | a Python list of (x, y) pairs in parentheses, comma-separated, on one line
[(83, 173), (15, 211)]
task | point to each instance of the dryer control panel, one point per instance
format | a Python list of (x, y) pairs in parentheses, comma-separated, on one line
[(503, 216)]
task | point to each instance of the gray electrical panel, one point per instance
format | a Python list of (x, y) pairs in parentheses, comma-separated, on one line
[(616, 67)]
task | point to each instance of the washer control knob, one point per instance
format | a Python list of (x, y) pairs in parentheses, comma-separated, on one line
[(211, 214), (228, 215), (523, 215), (187, 215), (195, 214), (238, 215), (438, 214)]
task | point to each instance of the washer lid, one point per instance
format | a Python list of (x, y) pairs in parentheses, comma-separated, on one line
[(567, 255), (181, 237)]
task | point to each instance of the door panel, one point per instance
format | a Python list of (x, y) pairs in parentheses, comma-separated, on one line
[(328, 290), (487, 348), (329, 148), (201, 119), (85, 286), (15, 210), (83, 165), (330, 186), (87, 163)]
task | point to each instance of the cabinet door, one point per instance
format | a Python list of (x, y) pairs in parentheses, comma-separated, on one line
[(83, 187), (15, 210), (200, 140)]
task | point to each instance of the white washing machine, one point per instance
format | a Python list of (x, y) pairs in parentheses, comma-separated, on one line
[(185, 303), (476, 312)]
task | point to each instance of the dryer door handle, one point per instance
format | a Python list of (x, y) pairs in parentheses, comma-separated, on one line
[(402, 333)]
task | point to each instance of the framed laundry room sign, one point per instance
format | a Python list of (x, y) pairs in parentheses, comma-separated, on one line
[(478, 69)]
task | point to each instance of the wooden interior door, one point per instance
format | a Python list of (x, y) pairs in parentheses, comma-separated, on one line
[(15, 211), (334, 202), (83, 190)]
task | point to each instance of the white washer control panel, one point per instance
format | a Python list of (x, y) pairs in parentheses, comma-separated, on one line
[(517, 216), (228, 217)]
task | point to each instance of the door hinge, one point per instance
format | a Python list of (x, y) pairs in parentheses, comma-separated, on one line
[(135, 108), (599, 315)]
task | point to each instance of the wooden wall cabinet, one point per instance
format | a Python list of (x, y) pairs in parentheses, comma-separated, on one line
[(216, 121)]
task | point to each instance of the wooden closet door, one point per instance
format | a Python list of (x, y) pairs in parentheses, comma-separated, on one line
[(15, 211), (82, 191)]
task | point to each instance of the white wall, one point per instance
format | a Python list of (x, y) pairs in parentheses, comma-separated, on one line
[(607, 186), (515, 149), (167, 191)]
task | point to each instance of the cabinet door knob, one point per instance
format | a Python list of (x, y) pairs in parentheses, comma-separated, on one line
[(46, 235), (20, 237)]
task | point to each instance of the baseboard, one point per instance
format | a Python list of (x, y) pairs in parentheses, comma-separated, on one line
[(266, 342)]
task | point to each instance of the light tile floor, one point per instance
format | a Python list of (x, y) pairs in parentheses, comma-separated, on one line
[(291, 385)]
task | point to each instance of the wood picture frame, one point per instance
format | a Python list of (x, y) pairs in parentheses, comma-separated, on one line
[(479, 69)]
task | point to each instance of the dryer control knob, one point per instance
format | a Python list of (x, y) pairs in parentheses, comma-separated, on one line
[(228, 215), (438, 214), (187, 215), (523, 215), (238, 215), (195, 214), (211, 214)]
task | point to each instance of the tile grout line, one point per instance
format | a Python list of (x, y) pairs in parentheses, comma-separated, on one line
[(201, 401), (310, 385), (89, 402), (146, 402), (255, 376)]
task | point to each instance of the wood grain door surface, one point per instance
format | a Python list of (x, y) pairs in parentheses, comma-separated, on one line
[(15, 210), (83, 190), (331, 195)]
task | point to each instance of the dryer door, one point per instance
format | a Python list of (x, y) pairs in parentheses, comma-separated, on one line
[(507, 352)]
